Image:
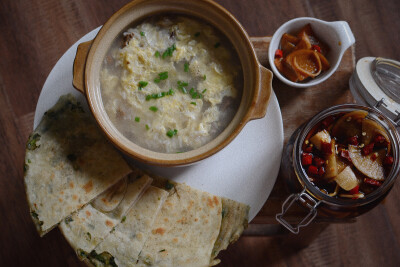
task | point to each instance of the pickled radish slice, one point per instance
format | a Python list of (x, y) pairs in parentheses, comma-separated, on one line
[(304, 42), (346, 179), (319, 138), (366, 165), (340, 164), (306, 62), (370, 129), (349, 125), (288, 43), (330, 161), (324, 62)]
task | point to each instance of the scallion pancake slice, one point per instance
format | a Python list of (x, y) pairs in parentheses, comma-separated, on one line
[(85, 229), (68, 162), (235, 217), (185, 231), (127, 239)]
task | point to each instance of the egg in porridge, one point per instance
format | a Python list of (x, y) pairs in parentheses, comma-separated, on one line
[(171, 84)]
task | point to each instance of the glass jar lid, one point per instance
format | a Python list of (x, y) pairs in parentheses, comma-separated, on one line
[(376, 83)]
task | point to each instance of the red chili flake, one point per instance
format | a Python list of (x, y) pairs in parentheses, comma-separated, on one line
[(355, 190), (327, 121), (306, 159), (345, 154), (353, 140), (379, 139), (388, 160), (318, 161), (309, 149), (321, 171), (326, 148), (366, 150), (316, 47), (278, 53), (312, 170), (372, 182)]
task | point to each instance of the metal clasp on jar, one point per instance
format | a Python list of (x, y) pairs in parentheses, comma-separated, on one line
[(304, 199)]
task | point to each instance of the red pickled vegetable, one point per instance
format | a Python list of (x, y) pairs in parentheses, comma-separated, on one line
[(345, 154), (366, 150), (372, 182), (308, 149), (321, 171), (278, 53), (306, 159), (318, 161), (388, 160), (312, 170), (379, 139), (355, 190), (353, 140), (316, 47)]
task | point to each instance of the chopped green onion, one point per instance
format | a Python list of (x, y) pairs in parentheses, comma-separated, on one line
[(157, 54), (123, 219), (181, 86), (194, 94), (205, 90), (193, 103), (186, 67), (169, 51), (171, 133), (160, 95), (217, 45), (142, 33), (142, 84), (147, 127), (153, 108), (161, 76), (197, 34), (204, 77), (137, 119)]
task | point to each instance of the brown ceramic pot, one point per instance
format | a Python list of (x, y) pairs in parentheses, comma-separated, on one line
[(257, 79)]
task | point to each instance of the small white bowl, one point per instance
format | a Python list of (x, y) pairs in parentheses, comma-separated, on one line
[(337, 35)]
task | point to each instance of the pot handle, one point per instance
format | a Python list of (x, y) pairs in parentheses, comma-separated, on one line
[(78, 80), (264, 94)]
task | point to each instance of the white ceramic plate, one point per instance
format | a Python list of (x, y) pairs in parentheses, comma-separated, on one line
[(245, 170)]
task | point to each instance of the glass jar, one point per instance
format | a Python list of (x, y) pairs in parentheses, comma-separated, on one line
[(309, 196)]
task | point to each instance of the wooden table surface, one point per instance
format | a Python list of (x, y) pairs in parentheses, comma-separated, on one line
[(35, 34)]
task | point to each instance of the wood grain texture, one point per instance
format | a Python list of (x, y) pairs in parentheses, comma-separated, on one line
[(35, 34)]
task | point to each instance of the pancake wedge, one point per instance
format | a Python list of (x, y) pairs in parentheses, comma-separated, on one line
[(85, 229), (185, 231), (127, 240), (68, 162), (235, 217)]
